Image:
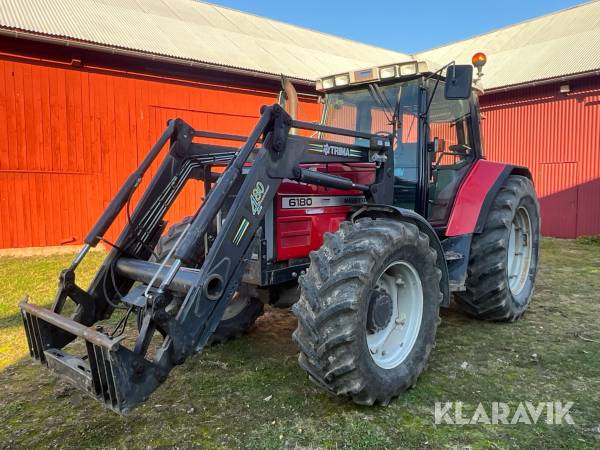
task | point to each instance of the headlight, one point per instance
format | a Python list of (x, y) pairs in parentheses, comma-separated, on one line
[(408, 69), (328, 83), (387, 72), (342, 80)]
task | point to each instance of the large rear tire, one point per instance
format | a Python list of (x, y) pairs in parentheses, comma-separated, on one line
[(504, 258), (369, 309), (243, 309)]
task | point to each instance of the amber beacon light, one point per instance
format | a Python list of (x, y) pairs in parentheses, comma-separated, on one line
[(479, 59)]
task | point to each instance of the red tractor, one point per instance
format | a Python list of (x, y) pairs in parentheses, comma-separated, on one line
[(379, 213)]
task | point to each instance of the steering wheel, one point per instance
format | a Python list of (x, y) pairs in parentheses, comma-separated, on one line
[(459, 150)]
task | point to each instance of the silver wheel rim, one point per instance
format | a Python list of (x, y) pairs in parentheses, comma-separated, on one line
[(390, 346), (519, 251), (236, 306)]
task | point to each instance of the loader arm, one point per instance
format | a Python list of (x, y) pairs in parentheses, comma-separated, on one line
[(122, 377)]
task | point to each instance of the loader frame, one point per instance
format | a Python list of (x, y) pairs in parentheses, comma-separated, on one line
[(122, 377)]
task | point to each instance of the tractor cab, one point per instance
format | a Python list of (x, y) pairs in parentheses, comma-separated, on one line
[(432, 117)]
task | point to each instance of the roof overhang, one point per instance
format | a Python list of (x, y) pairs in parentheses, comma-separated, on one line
[(85, 45)]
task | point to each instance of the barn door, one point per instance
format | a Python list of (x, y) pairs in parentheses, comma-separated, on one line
[(557, 191)]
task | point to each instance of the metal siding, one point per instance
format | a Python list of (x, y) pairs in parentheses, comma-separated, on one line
[(71, 136), (557, 136)]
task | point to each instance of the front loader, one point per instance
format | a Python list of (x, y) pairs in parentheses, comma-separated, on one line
[(378, 223)]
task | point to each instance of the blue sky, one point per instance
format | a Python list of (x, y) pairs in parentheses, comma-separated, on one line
[(402, 25)]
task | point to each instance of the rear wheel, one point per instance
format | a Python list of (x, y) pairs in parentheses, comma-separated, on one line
[(369, 310), (504, 257), (243, 309)]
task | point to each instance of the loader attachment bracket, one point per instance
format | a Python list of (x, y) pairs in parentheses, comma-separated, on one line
[(68, 289)]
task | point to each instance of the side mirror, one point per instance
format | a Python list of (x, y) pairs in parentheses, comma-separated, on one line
[(459, 81)]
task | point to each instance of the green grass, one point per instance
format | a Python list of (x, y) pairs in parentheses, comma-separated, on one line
[(592, 240), (218, 399)]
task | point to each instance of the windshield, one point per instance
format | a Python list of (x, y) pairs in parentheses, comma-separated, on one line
[(371, 110)]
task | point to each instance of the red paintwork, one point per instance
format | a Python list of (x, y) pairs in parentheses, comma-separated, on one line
[(70, 136), (471, 195), (299, 231)]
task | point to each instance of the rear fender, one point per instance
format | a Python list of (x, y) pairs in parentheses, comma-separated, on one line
[(477, 193), (407, 215), (469, 213)]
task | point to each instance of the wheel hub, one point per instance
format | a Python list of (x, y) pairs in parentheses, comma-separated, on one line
[(520, 248), (394, 314), (380, 311)]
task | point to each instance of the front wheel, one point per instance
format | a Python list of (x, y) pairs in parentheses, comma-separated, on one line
[(369, 309)]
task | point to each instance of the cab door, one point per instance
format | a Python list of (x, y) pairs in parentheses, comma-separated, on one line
[(453, 149)]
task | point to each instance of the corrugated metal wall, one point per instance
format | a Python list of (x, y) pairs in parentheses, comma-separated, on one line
[(558, 137), (70, 136)]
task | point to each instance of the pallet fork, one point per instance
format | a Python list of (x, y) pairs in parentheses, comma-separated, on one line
[(123, 377)]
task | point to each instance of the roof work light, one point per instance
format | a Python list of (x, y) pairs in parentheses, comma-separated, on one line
[(371, 74)]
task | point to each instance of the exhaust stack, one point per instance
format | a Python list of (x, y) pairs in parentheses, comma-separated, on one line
[(291, 96)]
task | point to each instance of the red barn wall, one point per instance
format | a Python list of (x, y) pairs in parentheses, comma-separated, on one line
[(71, 135), (558, 137)]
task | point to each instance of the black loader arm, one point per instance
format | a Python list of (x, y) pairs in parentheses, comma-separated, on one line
[(184, 305), (223, 266)]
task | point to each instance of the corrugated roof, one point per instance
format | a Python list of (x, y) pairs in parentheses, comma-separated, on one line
[(555, 45), (195, 31), (559, 44)]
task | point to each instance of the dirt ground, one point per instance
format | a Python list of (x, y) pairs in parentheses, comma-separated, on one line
[(250, 393)]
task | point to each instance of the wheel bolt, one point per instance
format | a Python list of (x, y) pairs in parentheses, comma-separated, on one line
[(383, 353)]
